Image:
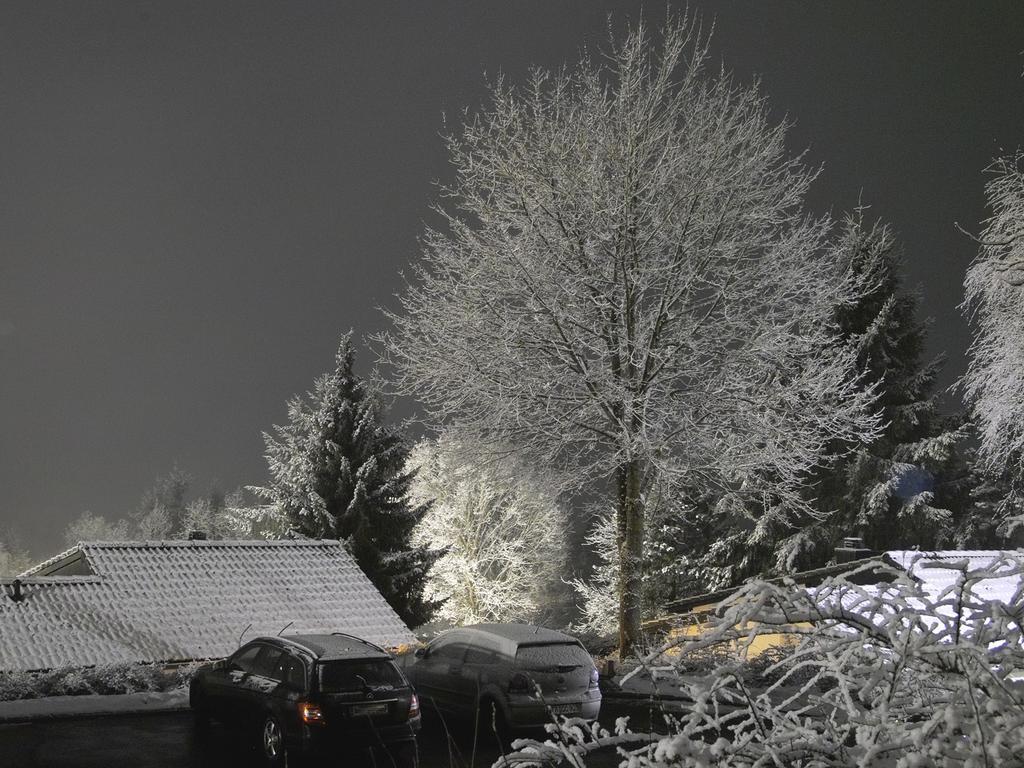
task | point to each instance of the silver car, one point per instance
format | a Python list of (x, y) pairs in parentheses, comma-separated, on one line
[(517, 674)]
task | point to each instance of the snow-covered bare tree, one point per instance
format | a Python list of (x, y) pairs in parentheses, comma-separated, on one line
[(162, 508), (90, 527), (500, 525), (625, 287), (994, 382), (13, 558), (229, 516)]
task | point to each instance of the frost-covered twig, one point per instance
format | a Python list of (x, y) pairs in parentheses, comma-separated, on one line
[(894, 672)]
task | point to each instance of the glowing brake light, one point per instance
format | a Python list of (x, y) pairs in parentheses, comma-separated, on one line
[(414, 707), (310, 713)]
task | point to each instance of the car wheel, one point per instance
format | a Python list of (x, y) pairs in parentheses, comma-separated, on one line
[(272, 741)]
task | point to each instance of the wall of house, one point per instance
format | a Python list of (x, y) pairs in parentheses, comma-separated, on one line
[(696, 623)]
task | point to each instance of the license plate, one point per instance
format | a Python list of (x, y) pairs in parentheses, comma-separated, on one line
[(377, 708), (565, 709)]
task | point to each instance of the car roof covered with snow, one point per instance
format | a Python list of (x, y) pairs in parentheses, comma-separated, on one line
[(522, 634), (336, 646), (505, 637), (169, 601)]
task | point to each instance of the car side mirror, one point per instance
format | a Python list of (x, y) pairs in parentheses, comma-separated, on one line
[(219, 664), (421, 652)]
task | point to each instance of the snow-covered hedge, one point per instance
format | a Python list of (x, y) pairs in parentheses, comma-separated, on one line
[(884, 674), (104, 679)]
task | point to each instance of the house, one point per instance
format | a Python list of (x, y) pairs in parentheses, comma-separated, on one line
[(177, 601), (933, 570)]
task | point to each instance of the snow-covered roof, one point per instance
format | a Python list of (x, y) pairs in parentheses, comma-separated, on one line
[(937, 571), (102, 602)]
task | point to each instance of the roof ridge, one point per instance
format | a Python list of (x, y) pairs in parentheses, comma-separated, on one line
[(933, 554), (164, 543), (81, 546)]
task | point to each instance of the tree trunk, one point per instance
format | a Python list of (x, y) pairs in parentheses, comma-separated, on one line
[(630, 535)]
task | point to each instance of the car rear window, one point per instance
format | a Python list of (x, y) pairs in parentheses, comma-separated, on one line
[(338, 676), (552, 657)]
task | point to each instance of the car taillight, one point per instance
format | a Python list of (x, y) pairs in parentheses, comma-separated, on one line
[(594, 677), (519, 683), (414, 707), (310, 714)]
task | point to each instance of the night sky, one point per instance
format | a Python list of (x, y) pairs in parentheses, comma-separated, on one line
[(197, 199)]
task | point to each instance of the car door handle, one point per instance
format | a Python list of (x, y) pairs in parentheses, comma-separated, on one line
[(454, 669)]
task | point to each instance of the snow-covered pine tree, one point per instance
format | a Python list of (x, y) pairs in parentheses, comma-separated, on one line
[(337, 471), (897, 490), (909, 486), (989, 509)]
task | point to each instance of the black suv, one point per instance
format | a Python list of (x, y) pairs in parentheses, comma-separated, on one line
[(309, 693)]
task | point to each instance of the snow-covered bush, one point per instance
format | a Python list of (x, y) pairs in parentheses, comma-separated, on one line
[(884, 674), (500, 526), (119, 677), (17, 685), (71, 682), (127, 678)]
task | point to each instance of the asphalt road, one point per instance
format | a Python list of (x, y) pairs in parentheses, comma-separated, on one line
[(170, 741)]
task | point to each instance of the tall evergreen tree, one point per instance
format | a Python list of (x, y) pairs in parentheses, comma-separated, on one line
[(338, 472), (911, 486), (901, 489)]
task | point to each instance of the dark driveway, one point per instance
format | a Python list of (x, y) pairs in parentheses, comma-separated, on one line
[(170, 741)]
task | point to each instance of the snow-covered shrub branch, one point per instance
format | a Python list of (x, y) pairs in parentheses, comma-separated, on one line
[(892, 673)]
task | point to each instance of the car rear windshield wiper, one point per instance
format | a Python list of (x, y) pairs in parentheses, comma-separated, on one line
[(556, 668)]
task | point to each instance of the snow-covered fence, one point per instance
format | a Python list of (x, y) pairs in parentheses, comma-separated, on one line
[(897, 673)]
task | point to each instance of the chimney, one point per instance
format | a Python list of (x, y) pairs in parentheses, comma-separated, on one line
[(197, 535), (852, 548), (14, 591)]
